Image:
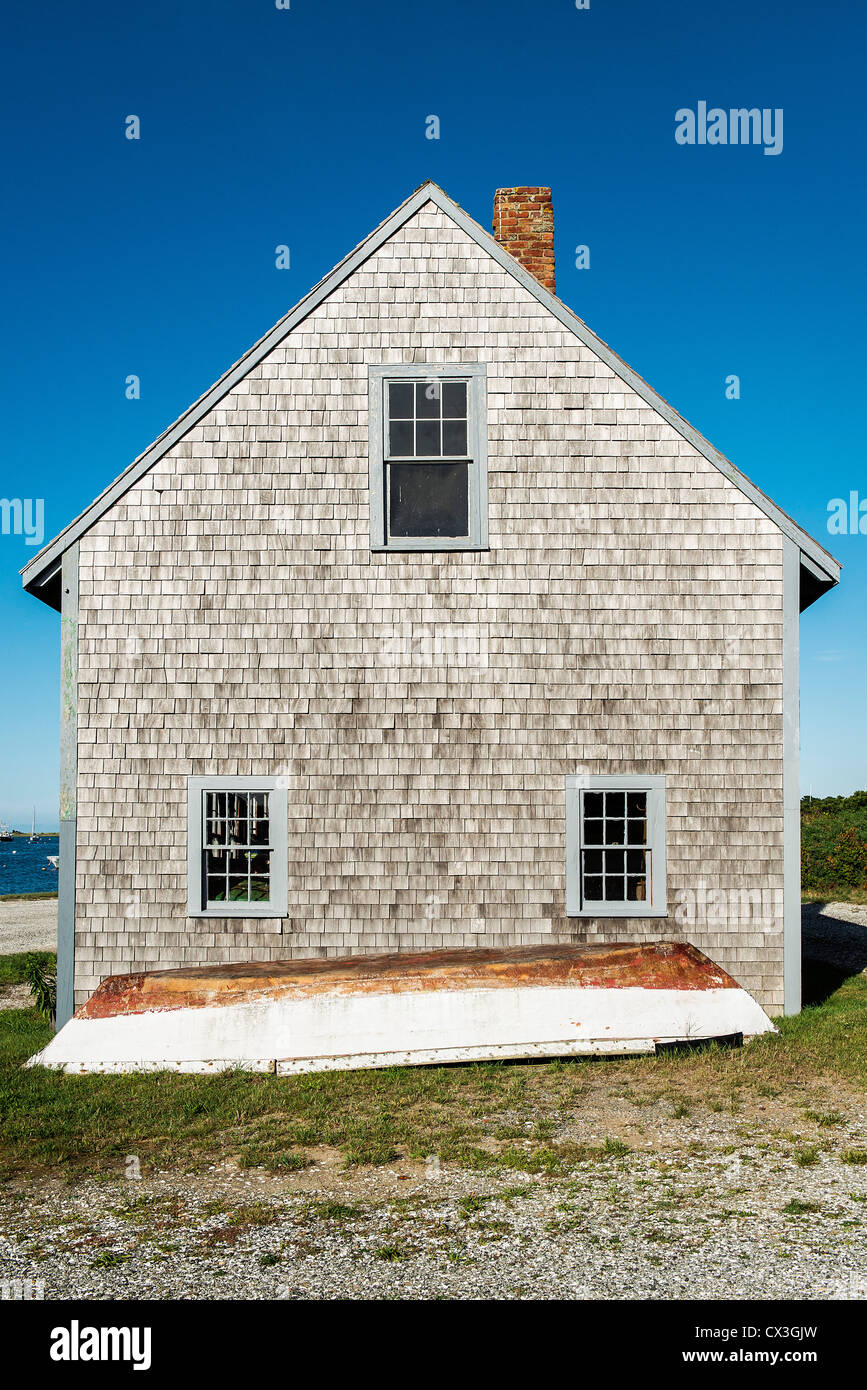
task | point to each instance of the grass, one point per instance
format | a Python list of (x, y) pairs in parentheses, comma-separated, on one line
[(56, 1124), (13, 968)]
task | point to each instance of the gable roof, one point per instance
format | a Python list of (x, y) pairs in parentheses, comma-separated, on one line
[(41, 575)]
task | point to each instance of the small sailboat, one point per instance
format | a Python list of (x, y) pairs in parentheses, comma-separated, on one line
[(34, 838), (5, 832), (54, 860)]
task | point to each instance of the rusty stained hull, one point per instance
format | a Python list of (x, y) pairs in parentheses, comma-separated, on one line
[(439, 1006)]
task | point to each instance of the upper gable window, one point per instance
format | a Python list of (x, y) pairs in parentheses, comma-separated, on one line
[(428, 458)]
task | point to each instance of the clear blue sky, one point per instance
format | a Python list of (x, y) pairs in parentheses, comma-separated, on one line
[(306, 127)]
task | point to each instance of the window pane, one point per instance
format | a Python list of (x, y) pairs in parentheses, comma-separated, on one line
[(637, 832), (239, 889), (635, 861), (593, 889), (593, 861), (429, 499), (260, 890), (427, 438), (455, 437), (427, 400), (615, 803), (215, 861), (216, 832), (593, 832), (400, 438), (215, 805), (636, 804), (593, 803), (400, 398), (455, 400), (614, 861), (615, 831), (613, 888), (216, 890), (636, 890), (260, 862)]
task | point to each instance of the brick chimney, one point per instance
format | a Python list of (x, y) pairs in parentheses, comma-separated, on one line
[(524, 226)]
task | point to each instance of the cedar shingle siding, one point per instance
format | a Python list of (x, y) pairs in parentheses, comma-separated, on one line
[(424, 708)]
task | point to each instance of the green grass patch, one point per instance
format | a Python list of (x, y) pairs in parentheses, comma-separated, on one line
[(13, 968)]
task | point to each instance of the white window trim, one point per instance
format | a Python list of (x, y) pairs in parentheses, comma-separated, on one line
[(475, 375), (277, 906), (654, 785)]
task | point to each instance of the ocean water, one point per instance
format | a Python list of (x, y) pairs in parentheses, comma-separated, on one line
[(24, 868)]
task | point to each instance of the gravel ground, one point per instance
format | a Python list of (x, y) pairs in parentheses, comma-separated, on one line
[(28, 926), (689, 1225)]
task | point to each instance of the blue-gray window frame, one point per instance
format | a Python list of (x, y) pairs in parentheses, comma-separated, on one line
[(278, 808), (654, 785), (475, 375)]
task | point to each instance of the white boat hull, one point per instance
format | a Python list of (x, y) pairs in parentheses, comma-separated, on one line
[(443, 1007)]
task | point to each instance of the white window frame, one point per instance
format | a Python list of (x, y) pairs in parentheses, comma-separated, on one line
[(475, 375), (277, 905), (654, 786)]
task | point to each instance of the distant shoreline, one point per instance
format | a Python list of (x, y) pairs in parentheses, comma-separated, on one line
[(39, 834), (25, 897)]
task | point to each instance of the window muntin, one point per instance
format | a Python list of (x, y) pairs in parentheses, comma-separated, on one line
[(236, 848), (428, 458), (615, 845)]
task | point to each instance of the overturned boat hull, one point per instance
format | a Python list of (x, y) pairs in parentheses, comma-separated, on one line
[(394, 1010)]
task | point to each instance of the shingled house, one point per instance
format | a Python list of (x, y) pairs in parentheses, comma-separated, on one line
[(429, 625)]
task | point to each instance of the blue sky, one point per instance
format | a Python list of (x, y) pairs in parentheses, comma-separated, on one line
[(306, 126)]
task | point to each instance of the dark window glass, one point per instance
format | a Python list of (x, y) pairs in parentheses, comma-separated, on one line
[(427, 439), (455, 437), (429, 499), (401, 438), (593, 889), (593, 803), (454, 400), (614, 803), (400, 398), (593, 832)]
